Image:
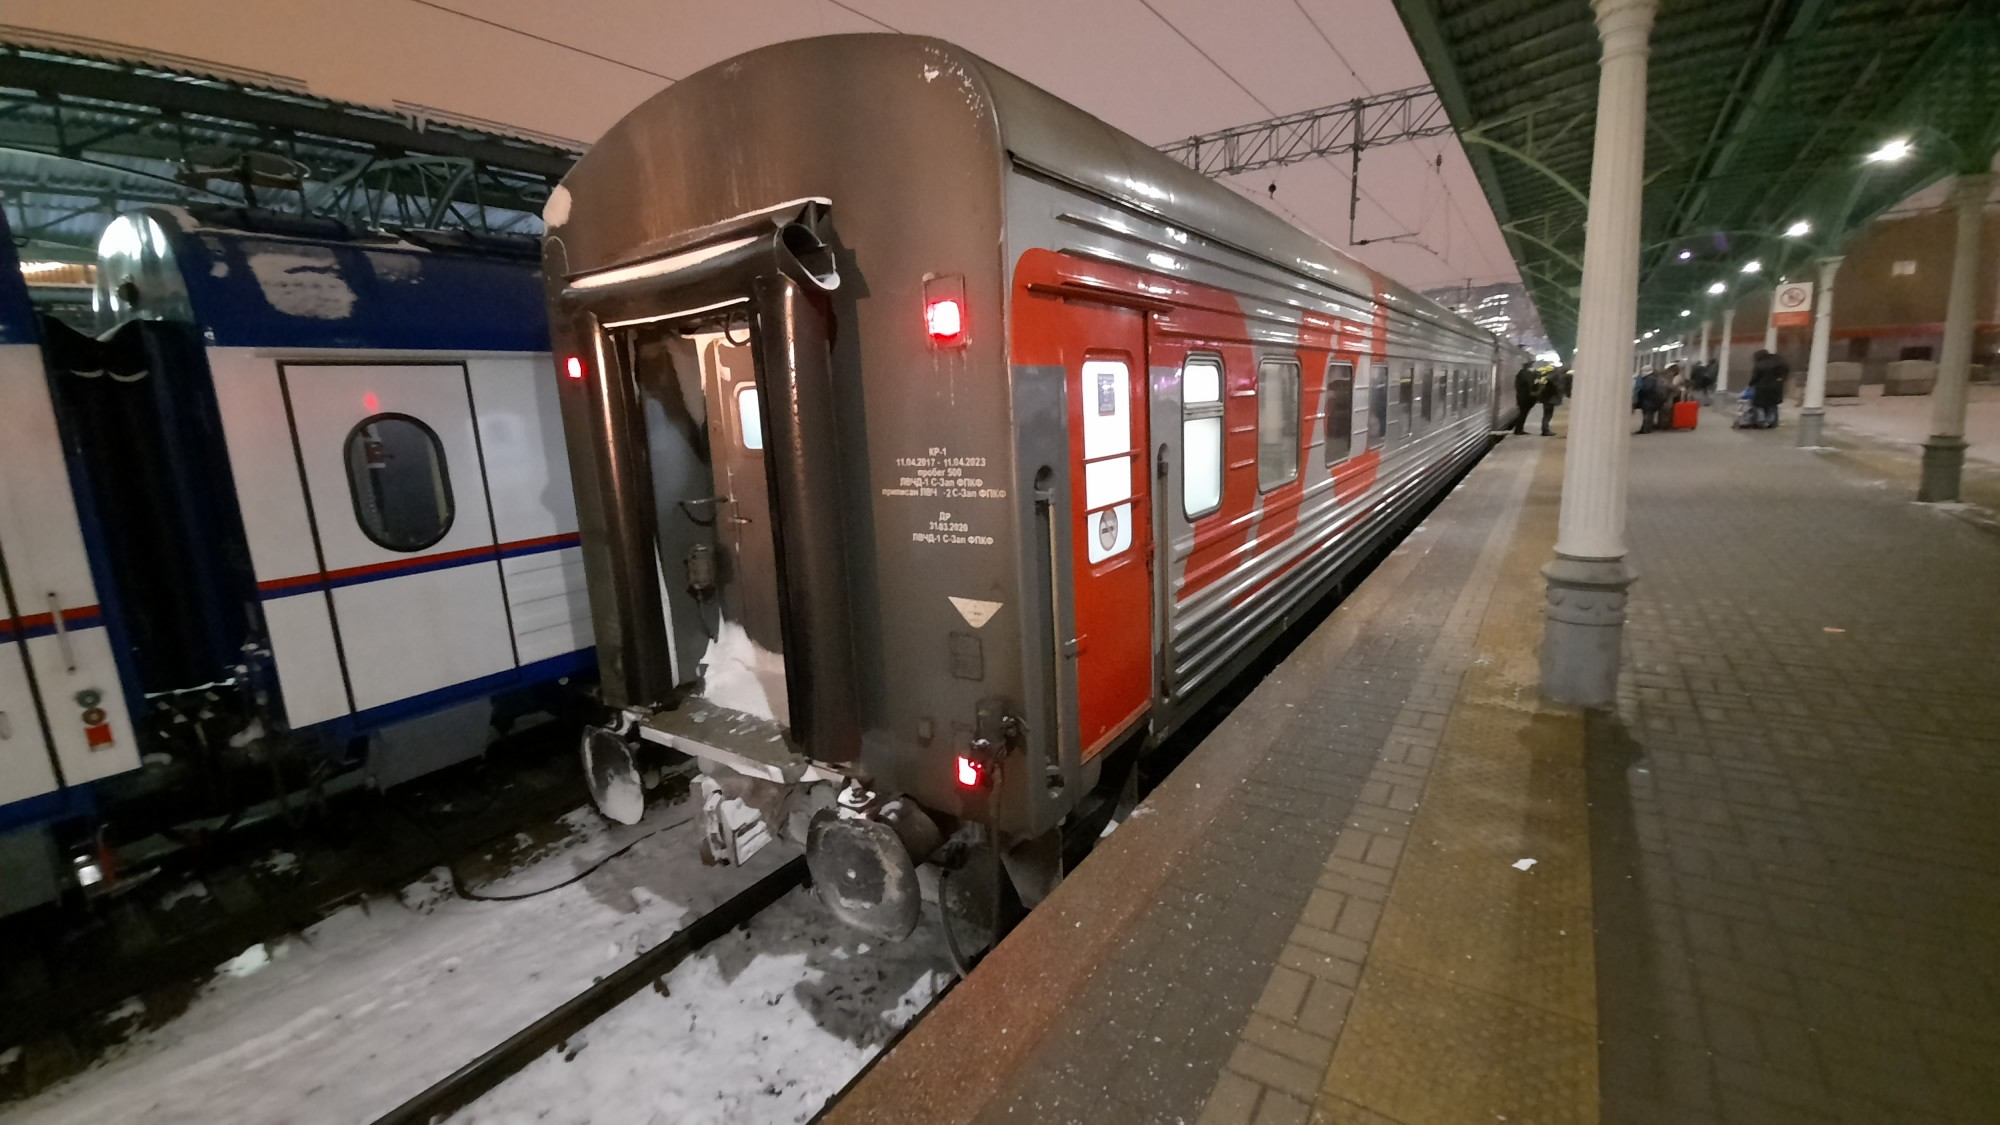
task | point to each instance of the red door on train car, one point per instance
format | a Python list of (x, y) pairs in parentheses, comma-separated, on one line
[(1103, 351)]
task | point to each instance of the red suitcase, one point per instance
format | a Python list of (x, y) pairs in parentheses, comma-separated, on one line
[(1686, 414)]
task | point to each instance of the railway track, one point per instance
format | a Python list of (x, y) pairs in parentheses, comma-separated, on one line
[(468, 1083)]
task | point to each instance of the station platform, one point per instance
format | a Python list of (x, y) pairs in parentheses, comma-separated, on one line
[(1393, 886)]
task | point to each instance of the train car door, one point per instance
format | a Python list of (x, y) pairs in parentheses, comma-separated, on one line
[(1111, 517), (53, 639), (397, 494), (743, 517)]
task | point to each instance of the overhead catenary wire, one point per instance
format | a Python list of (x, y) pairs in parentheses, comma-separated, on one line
[(511, 29), (1266, 107), (884, 24)]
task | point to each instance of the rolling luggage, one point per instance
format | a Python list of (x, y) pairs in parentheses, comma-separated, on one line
[(1686, 413)]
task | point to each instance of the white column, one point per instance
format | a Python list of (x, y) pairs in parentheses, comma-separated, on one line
[(1728, 330), (1771, 323), (1812, 409), (1703, 357), (1587, 579), (1944, 453)]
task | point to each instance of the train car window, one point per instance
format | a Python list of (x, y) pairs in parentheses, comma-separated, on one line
[(1277, 423), (1406, 397), (1339, 411), (1201, 436), (749, 417), (1378, 402), (397, 478)]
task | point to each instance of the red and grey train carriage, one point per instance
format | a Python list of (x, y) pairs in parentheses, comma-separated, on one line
[(938, 446), (299, 509)]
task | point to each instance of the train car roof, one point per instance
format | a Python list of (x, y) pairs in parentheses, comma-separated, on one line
[(1048, 135), (276, 289), (17, 311)]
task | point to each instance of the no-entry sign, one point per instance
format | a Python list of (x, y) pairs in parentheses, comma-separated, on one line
[(1791, 307)]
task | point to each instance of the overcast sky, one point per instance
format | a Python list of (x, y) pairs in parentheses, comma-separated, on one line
[(1159, 69)]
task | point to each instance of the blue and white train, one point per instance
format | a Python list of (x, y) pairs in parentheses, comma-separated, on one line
[(301, 508)]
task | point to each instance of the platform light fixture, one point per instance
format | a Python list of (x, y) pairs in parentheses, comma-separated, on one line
[(1890, 152), (1753, 266), (1799, 229), (1687, 312), (1718, 289), (1685, 255)]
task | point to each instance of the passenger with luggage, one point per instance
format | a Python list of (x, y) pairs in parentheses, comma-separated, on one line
[(1652, 397)]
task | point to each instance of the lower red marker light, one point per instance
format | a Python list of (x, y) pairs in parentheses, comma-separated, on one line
[(944, 320), (573, 367), (971, 773)]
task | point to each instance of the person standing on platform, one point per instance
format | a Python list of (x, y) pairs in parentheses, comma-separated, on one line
[(1524, 396), (1768, 373), (1548, 392)]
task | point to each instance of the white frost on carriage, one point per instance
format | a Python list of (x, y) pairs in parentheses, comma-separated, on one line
[(743, 676), (303, 281)]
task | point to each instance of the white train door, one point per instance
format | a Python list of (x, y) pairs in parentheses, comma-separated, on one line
[(52, 635), (399, 510)]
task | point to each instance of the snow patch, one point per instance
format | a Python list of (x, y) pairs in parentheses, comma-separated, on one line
[(194, 890), (742, 676), (428, 891), (279, 863), (131, 1009), (251, 960), (303, 281), (556, 211)]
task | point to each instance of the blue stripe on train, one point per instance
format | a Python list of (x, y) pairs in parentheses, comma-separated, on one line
[(527, 675)]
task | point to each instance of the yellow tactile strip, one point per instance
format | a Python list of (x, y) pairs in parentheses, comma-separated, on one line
[(1478, 998)]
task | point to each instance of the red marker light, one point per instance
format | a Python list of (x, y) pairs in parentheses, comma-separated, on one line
[(573, 367), (944, 319), (971, 774)]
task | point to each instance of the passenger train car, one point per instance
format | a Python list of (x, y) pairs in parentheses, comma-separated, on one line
[(939, 447), (300, 510)]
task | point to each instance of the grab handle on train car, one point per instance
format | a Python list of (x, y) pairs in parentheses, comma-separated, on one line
[(62, 633)]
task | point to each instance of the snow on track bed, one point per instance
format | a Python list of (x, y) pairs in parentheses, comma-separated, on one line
[(363, 1010), (763, 1026)]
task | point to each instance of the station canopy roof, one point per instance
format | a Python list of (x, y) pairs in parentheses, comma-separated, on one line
[(1760, 114)]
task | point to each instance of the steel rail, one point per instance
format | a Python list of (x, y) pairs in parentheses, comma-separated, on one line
[(472, 1081)]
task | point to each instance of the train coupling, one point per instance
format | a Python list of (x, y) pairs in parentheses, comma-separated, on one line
[(731, 830)]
